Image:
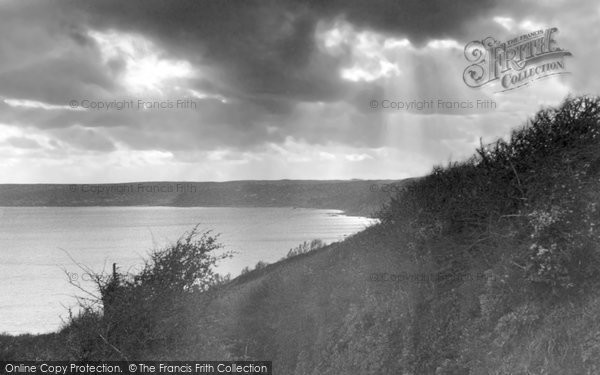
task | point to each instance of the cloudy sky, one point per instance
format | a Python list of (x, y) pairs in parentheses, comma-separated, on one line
[(267, 89)]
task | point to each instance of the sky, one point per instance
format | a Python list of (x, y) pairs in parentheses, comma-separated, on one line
[(113, 91)]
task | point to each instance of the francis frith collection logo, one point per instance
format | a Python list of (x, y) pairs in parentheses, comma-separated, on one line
[(516, 62)]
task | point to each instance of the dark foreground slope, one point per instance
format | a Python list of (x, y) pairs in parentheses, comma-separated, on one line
[(490, 266), (327, 312)]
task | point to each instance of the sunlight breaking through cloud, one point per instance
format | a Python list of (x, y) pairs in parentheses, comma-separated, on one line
[(144, 66)]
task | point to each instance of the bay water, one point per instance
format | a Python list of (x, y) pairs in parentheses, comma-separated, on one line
[(42, 249)]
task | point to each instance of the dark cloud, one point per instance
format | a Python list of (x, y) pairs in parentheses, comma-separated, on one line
[(56, 80), (23, 142), (267, 48), (45, 56), (262, 53), (417, 20), (269, 78), (84, 139)]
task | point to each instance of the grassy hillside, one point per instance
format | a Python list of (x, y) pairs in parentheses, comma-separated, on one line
[(489, 266), (524, 214)]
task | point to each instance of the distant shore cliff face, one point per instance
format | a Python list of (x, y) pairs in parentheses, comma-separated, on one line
[(355, 197)]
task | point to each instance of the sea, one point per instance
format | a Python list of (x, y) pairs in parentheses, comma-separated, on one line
[(49, 254)]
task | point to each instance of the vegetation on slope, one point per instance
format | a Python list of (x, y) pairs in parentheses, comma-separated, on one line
[(523, 214)]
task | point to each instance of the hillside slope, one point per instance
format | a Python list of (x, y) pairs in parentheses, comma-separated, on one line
[(495, 262), (329, 311)]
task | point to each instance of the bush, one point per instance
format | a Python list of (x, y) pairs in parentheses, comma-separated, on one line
[(146, 313), (305, 247), (260, 265), (564, 255), (541, 173)]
